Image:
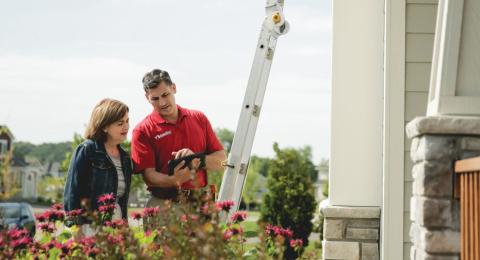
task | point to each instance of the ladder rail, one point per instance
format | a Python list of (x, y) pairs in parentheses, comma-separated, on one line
[(235, 174)]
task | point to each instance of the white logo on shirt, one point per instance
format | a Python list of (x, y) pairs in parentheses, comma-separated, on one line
[(160, 136)]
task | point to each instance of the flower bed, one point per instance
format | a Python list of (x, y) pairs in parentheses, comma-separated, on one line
[(176, 230)]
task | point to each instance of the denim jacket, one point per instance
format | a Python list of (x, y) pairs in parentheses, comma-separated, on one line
[(92, 173)]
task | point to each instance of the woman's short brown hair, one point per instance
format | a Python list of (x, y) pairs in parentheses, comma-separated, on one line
[(105, 113)]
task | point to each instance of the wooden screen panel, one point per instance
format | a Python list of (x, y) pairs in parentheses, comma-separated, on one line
[(469, 215)]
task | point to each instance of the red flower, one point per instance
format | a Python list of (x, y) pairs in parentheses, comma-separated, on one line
[(296, 243), (106, 198), (238, 216), (41, 217), (137, 215), (224, 205)]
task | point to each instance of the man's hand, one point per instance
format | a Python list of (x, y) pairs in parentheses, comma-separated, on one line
[(185, 152), (181, 176)]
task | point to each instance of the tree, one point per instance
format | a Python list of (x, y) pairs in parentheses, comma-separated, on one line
[(77, 139), (226, 138), (261, 164), (290, 200), (253, 185), (46, 152), (8, 186)]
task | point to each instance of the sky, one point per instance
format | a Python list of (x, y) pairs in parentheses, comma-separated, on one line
[(58, 58)]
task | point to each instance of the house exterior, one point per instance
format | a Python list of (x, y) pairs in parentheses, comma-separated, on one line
[(23, 176), (6, 140), (386, 73)]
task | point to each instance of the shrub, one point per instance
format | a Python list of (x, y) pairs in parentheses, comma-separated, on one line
[(290, 201)]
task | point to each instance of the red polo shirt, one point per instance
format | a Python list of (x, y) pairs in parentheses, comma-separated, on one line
[(154, 139)]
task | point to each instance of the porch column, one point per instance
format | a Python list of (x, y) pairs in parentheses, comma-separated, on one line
[(352, 219)]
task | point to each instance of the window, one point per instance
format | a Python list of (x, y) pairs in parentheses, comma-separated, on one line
[(3, 146)]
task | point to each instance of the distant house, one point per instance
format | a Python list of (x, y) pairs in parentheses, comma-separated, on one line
[(23, 175), (6, 140), (321, 182)]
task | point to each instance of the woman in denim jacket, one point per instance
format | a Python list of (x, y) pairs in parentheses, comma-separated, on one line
[(99, 165)]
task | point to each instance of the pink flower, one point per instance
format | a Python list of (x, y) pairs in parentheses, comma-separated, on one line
[(116, 223), (194, 217), (106, 198), (91, 251), (148, 233), (21, 242), (75, 212), (225, 205), (151, 212), (107, 208), (51, 244), (296, 243), (184, 218), (54, 215), (137, 215), (41, 217), (15, 233), (205, 209), (57, 206), (238, 216), (278, 231), (287, 232), (236, 230), (88, 241), (115, 239), (46, 227), (227, 234), (67, 247)]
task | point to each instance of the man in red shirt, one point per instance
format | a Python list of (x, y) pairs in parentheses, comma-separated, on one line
[(171, 132)]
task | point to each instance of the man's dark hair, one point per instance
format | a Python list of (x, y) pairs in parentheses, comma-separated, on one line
[(154, 78)]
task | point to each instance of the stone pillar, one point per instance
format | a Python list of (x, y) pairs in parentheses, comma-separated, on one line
[(437, 143), (351, 233)]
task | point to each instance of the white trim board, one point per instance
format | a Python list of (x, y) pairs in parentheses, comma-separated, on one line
[(393, 140)]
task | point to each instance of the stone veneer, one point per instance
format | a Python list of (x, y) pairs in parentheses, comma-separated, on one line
[(437, 143), (351, 233)]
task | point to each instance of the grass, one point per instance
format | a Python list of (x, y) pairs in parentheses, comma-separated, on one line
[(250, 228)]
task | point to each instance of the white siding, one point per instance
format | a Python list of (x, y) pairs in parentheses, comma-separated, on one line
[(420, 29)]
